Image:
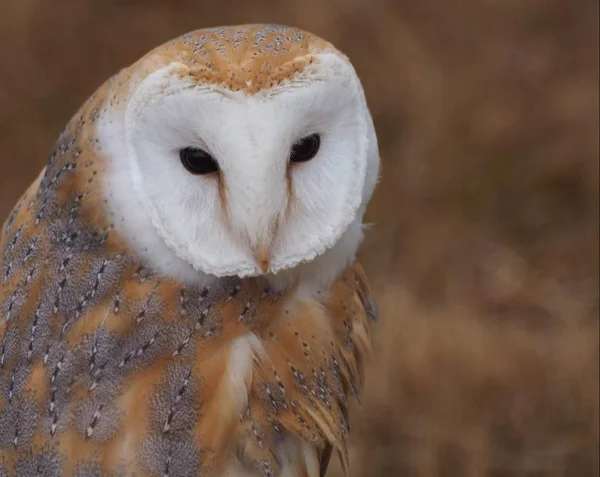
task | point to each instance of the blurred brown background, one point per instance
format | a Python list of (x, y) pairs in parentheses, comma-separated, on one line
[(484, 250)]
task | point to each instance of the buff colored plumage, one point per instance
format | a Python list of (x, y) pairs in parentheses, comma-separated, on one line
[(108, 367)]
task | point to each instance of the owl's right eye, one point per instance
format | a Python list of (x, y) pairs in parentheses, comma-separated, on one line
[(198, 161)]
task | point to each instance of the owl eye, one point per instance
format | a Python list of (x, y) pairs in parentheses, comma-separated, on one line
[(306, 148), (198, 161)]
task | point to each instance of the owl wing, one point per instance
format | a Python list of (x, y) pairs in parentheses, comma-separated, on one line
[(310, 361)]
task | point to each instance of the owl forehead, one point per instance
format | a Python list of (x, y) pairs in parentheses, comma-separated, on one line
[(244, 58)]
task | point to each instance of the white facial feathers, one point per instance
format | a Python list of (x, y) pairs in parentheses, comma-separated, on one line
[(259, 204)]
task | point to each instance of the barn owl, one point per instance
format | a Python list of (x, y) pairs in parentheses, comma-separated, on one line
[(179, 292)]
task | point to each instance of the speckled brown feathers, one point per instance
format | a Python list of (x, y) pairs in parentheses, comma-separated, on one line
[(109, 369)]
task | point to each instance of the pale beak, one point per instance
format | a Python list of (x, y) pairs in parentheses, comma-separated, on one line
[(262, 254)]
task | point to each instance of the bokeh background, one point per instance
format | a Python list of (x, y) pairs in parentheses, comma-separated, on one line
[(484, 248)]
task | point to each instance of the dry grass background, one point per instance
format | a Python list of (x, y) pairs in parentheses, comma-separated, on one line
[(484, 253)]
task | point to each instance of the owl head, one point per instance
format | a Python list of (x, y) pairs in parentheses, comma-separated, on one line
[(240, 151)]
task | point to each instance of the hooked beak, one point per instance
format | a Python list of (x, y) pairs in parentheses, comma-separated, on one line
[(263, 257)]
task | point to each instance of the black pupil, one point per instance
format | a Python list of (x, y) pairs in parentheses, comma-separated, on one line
[(305, 149), (198, 161)]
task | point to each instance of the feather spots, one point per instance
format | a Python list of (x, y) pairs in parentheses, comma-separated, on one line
[(97, 350), (66, 264), (182, 337), (9, 254), (274, 397), (320, 388), (99, 279), (209, 323), (194, 301), (8, 347), (138, 351), (42, 210), (13, 242), (116, 303), (14, 381), (149, 309), (98, 347), (62, 365), (19, 257), (337, 383), (233, 293), (39, 331), (12, 217), (62, 369), (247, 313), (87, 289), (59, 175), (141, 347), (18, 423), (173, 411), (13, 303), (97, 419), (197, 305), (163, 457), (54, 175)]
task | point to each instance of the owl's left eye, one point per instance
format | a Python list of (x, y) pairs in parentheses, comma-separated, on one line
[(306, 148), (198, 161)]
